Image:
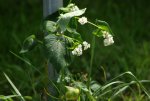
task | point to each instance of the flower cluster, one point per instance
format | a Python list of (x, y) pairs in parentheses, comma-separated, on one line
[(78, 50), (108, 38), (83, 20), (86, 45)]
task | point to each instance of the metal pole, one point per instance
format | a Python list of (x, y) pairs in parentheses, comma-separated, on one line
[(49, 7)]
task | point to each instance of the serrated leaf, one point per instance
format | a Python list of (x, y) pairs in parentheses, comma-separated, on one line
[(57, 52), (64, 19), (50, 26), (104, 26), (28, 44)]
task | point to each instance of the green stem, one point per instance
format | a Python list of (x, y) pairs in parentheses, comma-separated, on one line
[(51, 95), (70, 1), (71, 38), (90, 23), (91, 61), (93, 24), (31, 77)]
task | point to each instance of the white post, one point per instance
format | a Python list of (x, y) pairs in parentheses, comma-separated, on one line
[(51, 6)]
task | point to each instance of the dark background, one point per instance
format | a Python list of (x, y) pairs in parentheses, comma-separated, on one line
[(129, 20)]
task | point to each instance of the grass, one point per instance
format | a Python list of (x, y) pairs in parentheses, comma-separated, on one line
[(128, 19)]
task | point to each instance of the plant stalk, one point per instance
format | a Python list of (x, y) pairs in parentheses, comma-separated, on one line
[(91, 62)]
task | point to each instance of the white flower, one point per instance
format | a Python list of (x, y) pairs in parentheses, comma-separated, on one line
[(73, 52), (106, 34), (108, 38), (78, 50), (108, 41), (74, 8), (80, 46), (82, 20), (86, 45), (67, 79)]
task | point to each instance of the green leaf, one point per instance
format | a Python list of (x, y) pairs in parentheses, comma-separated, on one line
[(73, 23), (81, 86), (74, 34), (57, 52), (68, 8), (84, 88), (72, 93), (28, 44), (98, 33), (64, 19), (28, 97), (104, 26), (50, 26)]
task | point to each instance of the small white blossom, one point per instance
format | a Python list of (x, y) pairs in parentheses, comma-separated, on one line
[(108, 41), (80, 46), (67, 79), (78, 50), (108, 38), (82, 20), (106, 34), (73, 52), (86, 45)]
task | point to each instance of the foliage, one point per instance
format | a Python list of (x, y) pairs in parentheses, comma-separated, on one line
[(123, 88), (59, 44)]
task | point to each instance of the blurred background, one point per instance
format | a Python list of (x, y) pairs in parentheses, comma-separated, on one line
[(129, 20)]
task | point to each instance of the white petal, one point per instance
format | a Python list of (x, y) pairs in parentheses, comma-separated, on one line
[(82, 20)]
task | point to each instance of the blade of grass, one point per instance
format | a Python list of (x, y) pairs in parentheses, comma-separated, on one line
[(24, 60), (132, 82), (14, 87), (8, 97), (91, 61), (51, 95), (120, 90), (106, 86), (110, 90), (143, 88)]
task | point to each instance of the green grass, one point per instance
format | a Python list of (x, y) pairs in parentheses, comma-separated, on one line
[(128, 19)]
